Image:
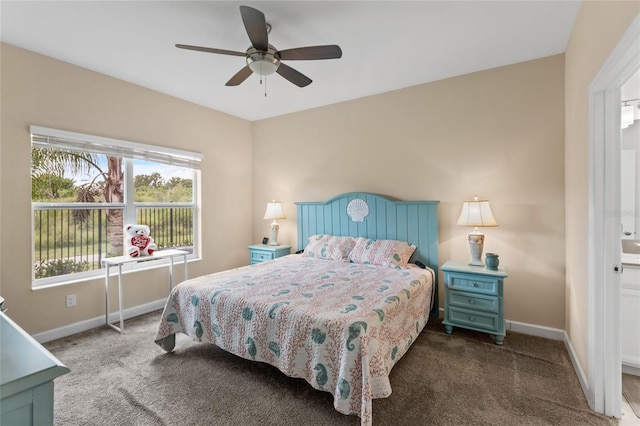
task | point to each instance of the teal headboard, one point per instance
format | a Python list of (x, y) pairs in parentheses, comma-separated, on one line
[(361, 214)]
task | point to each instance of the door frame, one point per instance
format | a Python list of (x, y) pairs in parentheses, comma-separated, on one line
[(604, 253)]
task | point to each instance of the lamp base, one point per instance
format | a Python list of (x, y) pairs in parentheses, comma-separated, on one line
[(273, 241), (476, 243)]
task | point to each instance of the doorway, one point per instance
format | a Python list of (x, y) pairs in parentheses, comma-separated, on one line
[(605, 364), (630, 238)]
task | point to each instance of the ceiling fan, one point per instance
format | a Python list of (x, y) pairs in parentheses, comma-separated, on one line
[(264, 59)]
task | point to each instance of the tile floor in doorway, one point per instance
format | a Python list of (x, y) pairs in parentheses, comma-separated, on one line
[(628, 416)]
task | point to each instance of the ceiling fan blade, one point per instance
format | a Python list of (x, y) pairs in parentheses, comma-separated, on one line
[(331, 51), (256, 26), (240, 76), (296, 77), (210, 50)]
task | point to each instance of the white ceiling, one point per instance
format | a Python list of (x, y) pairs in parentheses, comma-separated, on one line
[(387, 45)]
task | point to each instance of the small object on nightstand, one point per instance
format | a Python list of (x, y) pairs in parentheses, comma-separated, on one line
[(259, 253), (492, 261), (474, 299)]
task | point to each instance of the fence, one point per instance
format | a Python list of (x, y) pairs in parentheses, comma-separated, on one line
[(74, 239)]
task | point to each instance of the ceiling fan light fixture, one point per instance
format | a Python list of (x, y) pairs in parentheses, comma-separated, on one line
[(263, 63)]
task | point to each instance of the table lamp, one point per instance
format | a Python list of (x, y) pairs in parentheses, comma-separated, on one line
[(476, 213), (274, 211)]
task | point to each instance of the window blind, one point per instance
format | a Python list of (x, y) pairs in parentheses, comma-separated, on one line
[(44, 137)]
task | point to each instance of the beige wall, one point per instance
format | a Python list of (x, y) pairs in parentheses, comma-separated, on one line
[(42, 91), (596, 32), (498, 134)]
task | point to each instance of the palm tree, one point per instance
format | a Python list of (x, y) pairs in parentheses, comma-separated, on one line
[(109, 183)]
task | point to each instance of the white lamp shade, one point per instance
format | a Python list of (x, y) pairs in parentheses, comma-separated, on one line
[(476, 213), (274, 211)]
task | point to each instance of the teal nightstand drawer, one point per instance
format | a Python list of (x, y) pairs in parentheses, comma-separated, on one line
[(260, 256), (474, 284), (474, 320), (474, 301), (261, 252)]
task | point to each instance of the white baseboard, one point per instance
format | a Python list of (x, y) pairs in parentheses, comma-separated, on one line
[(631, 369), (582, 377), (68, 330), (535, 330)]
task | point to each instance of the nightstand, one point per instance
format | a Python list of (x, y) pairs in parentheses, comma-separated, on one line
[(474, 299), (261, 252)]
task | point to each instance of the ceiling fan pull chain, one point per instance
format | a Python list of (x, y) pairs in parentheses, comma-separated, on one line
[(265, 86)]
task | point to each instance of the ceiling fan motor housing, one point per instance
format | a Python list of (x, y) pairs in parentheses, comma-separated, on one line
[(263, 63)]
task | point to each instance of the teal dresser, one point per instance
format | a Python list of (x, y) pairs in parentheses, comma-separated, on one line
[(474, 299), (261, 252), (26, 377)]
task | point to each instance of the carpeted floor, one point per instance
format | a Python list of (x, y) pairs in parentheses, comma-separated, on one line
[(462, 379)]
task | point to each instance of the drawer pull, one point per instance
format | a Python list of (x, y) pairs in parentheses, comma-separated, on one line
[(472, 318), (475, 284), (472, 301)]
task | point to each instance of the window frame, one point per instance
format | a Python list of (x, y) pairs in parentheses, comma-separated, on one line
[(128, 151)]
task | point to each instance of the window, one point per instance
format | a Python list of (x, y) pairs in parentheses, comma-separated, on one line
[(85, 188)]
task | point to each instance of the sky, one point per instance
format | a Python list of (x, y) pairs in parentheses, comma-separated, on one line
[(140, 167)]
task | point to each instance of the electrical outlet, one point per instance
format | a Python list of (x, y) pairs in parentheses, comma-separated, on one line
[(71, 300)]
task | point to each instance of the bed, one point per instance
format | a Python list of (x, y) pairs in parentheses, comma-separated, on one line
[(339, 315)]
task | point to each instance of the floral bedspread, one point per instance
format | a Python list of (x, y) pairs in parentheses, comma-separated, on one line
[(340, 326)]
